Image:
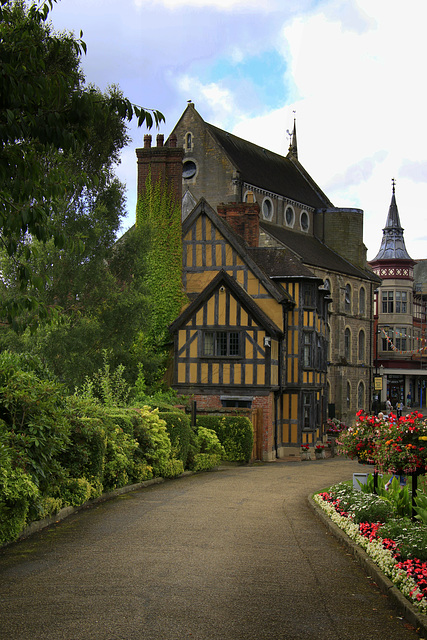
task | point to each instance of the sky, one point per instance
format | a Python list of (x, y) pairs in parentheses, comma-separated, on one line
[(352, 72)]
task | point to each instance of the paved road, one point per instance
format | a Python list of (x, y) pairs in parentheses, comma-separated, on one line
[(235, 554)]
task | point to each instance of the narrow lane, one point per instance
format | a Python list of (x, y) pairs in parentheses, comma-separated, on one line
[(235, 554)]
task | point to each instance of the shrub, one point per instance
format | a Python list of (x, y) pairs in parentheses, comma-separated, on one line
[(33, 415), (17, 491), (235, 434), (76, 491), (179, 431), (119, 460), (210, 450), (85, 453)]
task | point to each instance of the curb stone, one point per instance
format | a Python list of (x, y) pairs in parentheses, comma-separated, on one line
[(402, 604)]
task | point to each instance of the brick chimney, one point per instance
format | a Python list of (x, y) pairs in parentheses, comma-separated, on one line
[(243, 218), (165, 162)]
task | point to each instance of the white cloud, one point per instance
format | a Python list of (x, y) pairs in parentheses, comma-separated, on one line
[(223, 5)]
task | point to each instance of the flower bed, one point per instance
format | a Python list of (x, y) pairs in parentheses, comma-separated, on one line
[(397, 445), (409, 575)]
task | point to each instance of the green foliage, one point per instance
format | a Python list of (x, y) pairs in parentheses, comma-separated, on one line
[(210, 450), (399, 497), (158, 217), (179, 431), (109, 387), (76, 491), (17, 491), (235, 434), (46, 115), (32, 410), (370, 508), (421, 507), (85, 453), (411, 537)]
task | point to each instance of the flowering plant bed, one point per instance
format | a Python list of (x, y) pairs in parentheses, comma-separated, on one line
[(334, 427), (397, 445), (396, 559)]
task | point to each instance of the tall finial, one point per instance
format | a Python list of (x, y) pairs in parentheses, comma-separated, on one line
[(293, 147), (393, 183)]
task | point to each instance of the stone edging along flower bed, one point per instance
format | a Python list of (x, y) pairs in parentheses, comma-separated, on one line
[(377, 562)]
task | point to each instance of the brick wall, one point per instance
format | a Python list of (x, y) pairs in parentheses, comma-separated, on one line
[(243, 217), (165, 162)]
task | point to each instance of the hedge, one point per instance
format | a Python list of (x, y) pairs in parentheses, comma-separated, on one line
[(235, 433)]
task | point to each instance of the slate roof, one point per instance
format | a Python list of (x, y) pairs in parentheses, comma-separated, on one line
[(314, 253), (280, 263), (392, 243), (270, 171)]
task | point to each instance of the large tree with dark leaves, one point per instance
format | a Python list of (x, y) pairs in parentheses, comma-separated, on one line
[(48, 166)]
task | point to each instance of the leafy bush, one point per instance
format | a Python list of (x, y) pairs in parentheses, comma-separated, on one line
[(210, 450), (179, 431), (85, 453), (32, 410), (76, 491), (119, 461), (17, 491), (235, 434)]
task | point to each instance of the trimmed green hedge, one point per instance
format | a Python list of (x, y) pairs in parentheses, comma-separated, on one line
[(235, 433), (179, 430)]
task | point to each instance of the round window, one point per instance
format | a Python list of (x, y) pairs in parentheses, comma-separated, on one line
[(267, 209), (304, 221), (189, 169), (289, 216)]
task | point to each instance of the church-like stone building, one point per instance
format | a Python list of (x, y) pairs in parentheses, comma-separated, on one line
[(281, 295)]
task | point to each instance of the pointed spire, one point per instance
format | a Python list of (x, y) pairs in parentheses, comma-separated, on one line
[(293, 147), (393, 243)]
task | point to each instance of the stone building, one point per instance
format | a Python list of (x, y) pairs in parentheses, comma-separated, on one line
[(280, 294), (294, 214), (400, 355)]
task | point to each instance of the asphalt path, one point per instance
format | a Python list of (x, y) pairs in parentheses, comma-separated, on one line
[(233, 554)]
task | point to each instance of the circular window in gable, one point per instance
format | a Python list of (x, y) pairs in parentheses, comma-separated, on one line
[(267, 209), (290, 216), (189, 169), (304, 221)]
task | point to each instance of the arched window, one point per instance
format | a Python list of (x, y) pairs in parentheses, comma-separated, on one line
[(188, 141), (361, 396), (348, 399), (249, 197), (362, 301), (327, 284), (361, 345), (347, 298), (347, 344)]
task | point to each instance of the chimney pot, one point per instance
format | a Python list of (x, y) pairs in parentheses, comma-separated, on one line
[(172, 140), (160, 138), (147, 141)]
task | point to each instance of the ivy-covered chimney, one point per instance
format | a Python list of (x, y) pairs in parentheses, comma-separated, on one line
[(164, 161)]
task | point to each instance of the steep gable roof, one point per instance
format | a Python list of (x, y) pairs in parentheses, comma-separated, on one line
[(270, 171), (250, 306), (276, 291)]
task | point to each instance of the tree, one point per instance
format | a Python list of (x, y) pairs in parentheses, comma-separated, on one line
[(47, 114)]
